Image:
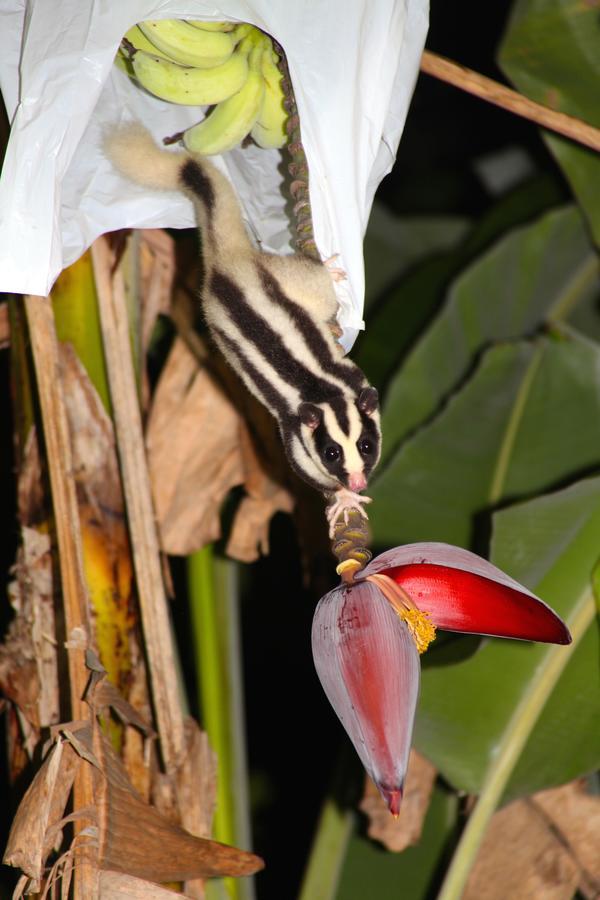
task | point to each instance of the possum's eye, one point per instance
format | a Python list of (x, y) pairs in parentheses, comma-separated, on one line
[(332, 453), (366, 447)]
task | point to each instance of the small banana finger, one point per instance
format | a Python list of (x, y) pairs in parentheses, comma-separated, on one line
[(269, 129), (136, 37), (187, 85), (211, 26), (187, 45)]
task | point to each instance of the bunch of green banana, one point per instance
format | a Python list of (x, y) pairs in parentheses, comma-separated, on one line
[(187, 85), (221, 64)]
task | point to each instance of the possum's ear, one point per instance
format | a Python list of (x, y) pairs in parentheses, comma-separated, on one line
[(310, 415), (368, 400)]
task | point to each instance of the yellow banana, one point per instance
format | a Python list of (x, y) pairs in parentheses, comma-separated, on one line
[(187, 45), (230, 121), (138, 39), (269, 129), (187, 85), (123, 63), (211, 26)]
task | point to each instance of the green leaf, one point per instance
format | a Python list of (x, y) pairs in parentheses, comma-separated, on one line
[(519, 717), (550, 52), (393, 244), (469, 711), (539, 273), (397, 318), (552, 545), (528, 420)]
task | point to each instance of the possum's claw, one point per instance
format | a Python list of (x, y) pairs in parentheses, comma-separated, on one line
[(336, 272), (344, 501)]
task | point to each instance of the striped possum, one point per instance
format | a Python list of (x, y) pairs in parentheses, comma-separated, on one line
[(270, 317)]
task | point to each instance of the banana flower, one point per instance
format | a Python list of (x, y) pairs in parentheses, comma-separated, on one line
[(368, 632)]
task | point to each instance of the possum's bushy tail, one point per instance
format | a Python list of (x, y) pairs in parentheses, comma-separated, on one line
[(133, 151), (135, 154)]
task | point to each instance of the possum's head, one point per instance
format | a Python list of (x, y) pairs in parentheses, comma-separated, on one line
[(342, 438)]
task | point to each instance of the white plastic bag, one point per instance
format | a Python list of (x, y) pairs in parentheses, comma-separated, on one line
[(353, 65)]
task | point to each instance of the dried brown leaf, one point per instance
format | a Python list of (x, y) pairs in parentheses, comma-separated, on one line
[(106, 694), (137, 840), (40, 810), (398, 834), (136, 759), (28, 664), (117, 886), (197, 782), (157, 272), (114, 323), (92, 440), (523, 859), (193, 453), (31, 503), (123, 833), (249, 535), (574, 815)]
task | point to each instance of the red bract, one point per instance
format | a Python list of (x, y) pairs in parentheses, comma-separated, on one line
[(369, 667), (366, 633), (463, 592)]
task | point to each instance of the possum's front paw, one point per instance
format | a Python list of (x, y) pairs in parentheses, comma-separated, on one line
[(344, 500), (337, 273)]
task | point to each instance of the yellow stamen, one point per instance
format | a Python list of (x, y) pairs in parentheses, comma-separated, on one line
[(417, 620), (348, 568)]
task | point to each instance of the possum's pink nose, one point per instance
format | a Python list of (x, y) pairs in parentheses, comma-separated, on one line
[(357, 481)]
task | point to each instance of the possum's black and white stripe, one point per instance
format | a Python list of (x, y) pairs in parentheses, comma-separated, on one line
[(270, 316)]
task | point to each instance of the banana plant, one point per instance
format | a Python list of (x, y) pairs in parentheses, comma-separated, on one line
[(491, 443)]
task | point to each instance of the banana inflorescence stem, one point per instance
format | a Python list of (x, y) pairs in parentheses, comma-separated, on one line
[(494, 92)]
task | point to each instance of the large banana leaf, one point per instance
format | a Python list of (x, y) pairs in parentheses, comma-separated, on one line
[(393, 244), (397, 318), (527, 421), (550, 52), (477, 714), (538, 273)]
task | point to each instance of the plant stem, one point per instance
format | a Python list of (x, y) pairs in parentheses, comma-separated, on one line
[(213, 605), (327, 856), (212, 682), (517, 733), (494, 92)]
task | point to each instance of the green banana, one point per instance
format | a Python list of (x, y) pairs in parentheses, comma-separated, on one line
[(187, 45), (188, 85), (211, 26), (138, 39), (230, 121), (269, 129)]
